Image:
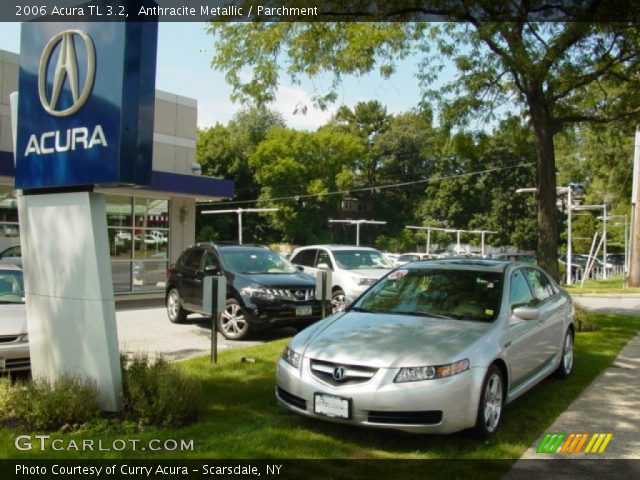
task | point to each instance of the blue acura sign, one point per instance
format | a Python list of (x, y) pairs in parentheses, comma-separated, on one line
[(86, 104)]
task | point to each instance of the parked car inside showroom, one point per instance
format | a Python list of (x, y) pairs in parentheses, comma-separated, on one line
[(354, 269), (14, 341), (434, 347), (263, 289)]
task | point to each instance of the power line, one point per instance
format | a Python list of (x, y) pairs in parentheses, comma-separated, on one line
[(377, 188)]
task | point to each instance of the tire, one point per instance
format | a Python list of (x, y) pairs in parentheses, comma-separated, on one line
[(566, 362), (338, 301), (232, 323), (175, 311), (491, 403)]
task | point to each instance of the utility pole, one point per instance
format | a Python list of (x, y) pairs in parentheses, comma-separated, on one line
[(634, 263)]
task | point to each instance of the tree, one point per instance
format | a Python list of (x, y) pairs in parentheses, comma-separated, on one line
[(297, 172), (504, 56), (224, 151)]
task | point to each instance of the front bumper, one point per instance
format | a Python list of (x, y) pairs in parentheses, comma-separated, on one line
[(432, 406), (15, 357), (281, 313)]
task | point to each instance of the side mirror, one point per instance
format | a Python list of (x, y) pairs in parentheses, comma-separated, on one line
[(212, 270), (526, 313), (300, 268), (323, 266)]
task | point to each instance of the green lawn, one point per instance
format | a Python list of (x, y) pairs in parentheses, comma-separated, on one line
[(611, 286), (242, 420)]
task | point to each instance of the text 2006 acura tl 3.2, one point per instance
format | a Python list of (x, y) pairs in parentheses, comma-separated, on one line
[(436, 346)]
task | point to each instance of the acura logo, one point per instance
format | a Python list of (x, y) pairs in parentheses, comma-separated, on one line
[(66, 70), (338, 373)]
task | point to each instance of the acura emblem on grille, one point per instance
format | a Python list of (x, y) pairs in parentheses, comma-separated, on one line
[(299, 294), (338, 373)]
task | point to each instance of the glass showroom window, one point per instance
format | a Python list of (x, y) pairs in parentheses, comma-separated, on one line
[(139, 242), (9, 227)]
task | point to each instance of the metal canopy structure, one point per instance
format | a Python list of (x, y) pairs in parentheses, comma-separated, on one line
[(457, 231), (357, 223), (239, 212), (604, 232)]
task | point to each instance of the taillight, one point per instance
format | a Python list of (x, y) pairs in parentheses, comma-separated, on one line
[(169, 272)]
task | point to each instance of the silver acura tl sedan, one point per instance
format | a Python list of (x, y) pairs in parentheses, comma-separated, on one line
[(433, 347)]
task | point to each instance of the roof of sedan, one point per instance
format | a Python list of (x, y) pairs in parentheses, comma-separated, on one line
[(339, 247), (463, 264)]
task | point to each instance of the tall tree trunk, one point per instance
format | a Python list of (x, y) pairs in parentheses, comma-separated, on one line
[(546, 178)]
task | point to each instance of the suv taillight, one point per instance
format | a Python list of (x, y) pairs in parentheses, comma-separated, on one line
[(169, 272)]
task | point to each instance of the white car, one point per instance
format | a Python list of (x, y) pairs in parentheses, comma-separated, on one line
[(411, 257), (14, 341), (354, 269)]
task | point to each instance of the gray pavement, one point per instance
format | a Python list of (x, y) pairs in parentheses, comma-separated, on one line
[(624, 305), (143, 327), (611, 404)]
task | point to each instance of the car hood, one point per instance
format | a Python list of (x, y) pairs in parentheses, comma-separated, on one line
[(299, 279), (388, 341), (13, 319), (369, 272)]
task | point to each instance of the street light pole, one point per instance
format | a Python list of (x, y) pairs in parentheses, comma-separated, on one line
[(451, 230), (240, 211), (357, 223)]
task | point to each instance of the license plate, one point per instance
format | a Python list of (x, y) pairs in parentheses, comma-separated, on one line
[(331, 406), (3, 363), (303, 311)]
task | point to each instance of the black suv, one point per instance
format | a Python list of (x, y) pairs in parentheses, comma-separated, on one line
[(263, 289)]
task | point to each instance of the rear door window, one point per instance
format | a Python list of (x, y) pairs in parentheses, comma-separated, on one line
[(540, 285)]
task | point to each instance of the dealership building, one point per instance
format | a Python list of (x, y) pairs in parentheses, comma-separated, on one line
[(149, 226)]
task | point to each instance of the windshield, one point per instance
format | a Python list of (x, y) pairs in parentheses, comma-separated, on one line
[(450, 294), (359, 259), (11, 286), (256, 261)]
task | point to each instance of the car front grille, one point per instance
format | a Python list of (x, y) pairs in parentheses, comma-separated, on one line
[(9, 338), (294, 294), (428, 417), (17, 363), (337, 374), (291, 399)]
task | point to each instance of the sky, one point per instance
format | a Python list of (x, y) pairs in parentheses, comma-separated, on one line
[(184, 56)]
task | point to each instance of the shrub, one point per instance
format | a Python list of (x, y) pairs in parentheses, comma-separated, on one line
[(40, 405), (583, 321), (158, 393), (5, 399)]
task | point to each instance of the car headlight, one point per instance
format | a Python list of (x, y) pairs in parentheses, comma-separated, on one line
[(364, 281), (416, 374), (291, 357), (24, 338), (258, 291)]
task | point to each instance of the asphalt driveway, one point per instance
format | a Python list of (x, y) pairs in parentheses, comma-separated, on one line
[(143, 327)]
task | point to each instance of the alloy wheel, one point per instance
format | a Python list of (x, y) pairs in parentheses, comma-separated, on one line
[(567, 356), (493, 402), (173, 305), (233, 323), (338, 303)]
